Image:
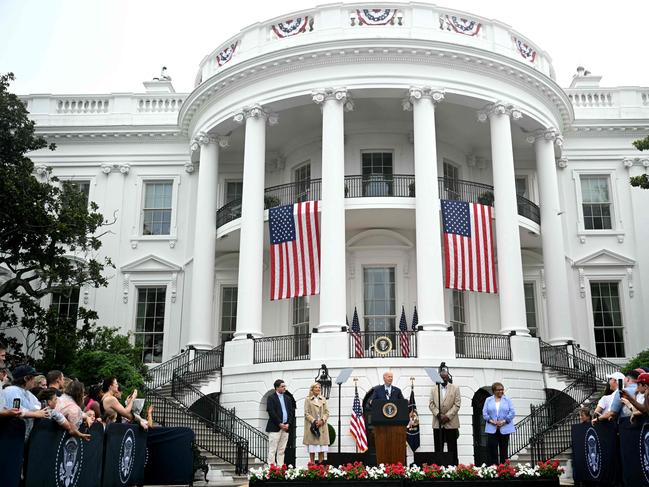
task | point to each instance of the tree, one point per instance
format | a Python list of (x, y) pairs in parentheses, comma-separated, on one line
[(643, 180), (49, 242)]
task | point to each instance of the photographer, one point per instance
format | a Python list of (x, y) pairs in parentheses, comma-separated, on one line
[(113, 410), (18, 396)]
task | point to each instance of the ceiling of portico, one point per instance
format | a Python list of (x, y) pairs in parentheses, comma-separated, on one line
[(380, 111)]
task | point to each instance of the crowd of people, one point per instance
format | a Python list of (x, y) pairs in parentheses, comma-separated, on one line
[(29, 395), (625, 397)]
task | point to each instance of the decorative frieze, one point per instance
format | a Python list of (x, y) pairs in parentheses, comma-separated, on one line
[(459, 25), (376, 16), (292, 27)]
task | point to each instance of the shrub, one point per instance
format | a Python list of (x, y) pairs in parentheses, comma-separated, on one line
[(640, 360)]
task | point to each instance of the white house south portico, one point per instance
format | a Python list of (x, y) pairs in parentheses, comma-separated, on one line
[(377, 120)]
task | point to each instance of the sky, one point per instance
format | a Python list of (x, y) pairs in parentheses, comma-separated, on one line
[(110, 46)]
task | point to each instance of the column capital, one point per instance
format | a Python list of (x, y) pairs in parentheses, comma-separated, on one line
[(562, 162), (628, 162), (416, 93), (499, 108), (202, 139), (321, 95), (255, 111), (552, 134)]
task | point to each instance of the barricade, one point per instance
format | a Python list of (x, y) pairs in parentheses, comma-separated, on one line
[(634, 450), (12, 440), (170, 458), (124, 455)]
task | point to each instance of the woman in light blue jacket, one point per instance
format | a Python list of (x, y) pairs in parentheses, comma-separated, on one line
[(498, 412)]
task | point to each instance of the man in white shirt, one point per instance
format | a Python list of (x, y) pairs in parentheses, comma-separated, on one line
[(17, 396)]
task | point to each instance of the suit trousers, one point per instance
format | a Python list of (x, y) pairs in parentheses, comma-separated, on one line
[(276, 447), (497, 445), (449, 437)]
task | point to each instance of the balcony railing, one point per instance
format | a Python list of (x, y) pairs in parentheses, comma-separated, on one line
[(282, 348), (393, 186), (383, 344), (482, 346)]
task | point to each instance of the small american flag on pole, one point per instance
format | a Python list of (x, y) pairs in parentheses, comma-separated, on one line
[(356, 336), (357, 423), (294, 250), (415, 319), (403, 334), (468, 246)]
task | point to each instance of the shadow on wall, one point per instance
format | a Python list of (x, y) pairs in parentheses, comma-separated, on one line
[(479, 435)]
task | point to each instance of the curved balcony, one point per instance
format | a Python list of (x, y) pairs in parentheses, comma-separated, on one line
[(394, 186)]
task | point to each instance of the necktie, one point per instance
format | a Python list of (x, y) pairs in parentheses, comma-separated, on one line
[(387, 393)]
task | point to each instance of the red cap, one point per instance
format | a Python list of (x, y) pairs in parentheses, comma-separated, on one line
[(644, 378)]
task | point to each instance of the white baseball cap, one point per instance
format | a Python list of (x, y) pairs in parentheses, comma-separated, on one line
[(616, 376)]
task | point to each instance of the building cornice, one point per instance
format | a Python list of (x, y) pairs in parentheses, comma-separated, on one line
[(386, 50), (102, 134)]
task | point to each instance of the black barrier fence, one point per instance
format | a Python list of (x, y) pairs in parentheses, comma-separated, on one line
[(113, 457), (610, 454), (12, 440)]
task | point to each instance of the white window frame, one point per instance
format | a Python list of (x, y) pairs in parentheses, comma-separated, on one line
[(219, 310), (91, 179), (531, 183), (616, 221), (137, 236), (451, 308), (625, 306), (374, 151), (135, 283), (537, 305), (224, 193), (361, 304)]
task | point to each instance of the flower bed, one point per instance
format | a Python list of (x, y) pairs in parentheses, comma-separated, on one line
[(398, 475)]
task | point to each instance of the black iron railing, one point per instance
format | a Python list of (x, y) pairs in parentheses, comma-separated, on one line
[(284, 348), (395, 185), (242, 435), (376, 186), (383, 344), (208, 434), (482, 346), (204, 363), (551, 418), (163, 373)]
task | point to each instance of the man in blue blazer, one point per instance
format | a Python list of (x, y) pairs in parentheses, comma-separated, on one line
[(281, 414), (387, 390)]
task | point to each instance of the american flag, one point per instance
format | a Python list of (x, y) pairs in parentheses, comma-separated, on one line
[(403, 334), (415, 319), (357, 424), (356, 336), (413, 438), (468, 246), (294, 250)]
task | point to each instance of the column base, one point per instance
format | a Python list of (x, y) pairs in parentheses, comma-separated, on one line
[(525, 349), (560, 340), (524, 332), (329, 346), (243, 335), (238, 352), (436, 344), (200, 345), (330, 327), (434, 326)]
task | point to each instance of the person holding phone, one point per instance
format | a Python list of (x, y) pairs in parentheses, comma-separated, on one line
[(19, 397), (605, 402), (618, 410)]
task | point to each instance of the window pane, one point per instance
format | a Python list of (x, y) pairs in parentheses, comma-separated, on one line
[(156, 214), (149, 322), (607, 319), (379, 298), (65, 303), (229, 296), (233, 191)]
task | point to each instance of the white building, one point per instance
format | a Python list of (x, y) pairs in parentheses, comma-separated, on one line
[(355, 106)]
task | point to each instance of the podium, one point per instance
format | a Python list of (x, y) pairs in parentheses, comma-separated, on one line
[(389, 419)]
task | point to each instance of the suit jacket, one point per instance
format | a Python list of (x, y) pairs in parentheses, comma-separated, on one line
[(379, 393), (451, 403), (506, 412), (274, 409)]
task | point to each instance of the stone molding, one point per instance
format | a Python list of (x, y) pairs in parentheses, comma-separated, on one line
[(255, 111), (416, 93), (340, 94), (551, 134), (499, 108)]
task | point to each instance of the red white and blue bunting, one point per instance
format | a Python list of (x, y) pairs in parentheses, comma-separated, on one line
[(292, 27), (377, 16), (460, 25), (524, 49), (226, 54)]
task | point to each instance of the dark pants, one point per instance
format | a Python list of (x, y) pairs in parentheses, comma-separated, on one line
[(449, 436), (497, 444)]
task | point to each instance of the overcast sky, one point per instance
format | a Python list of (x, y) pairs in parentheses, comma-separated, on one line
[(103, 46)]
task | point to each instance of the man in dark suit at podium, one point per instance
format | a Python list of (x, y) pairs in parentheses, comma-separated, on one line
[(387, 390)]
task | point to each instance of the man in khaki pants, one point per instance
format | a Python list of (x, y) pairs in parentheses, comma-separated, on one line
[(447, 415), (280, 415)]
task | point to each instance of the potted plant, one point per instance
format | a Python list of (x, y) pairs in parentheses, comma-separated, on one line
[(271, 201), (486, 198)]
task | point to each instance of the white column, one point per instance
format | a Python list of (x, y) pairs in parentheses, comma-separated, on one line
[(333, 279), (201, 332), (430, 281), (510, 266), (554, 258), (251, 242)]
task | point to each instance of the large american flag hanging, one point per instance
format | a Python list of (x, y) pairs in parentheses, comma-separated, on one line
[(356, 336), (468, 246), (357, 424), (404, 338), (294, 250)]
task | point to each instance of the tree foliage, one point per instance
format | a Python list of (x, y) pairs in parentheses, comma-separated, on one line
[(641, 181), (640, 360), (48, 232)]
